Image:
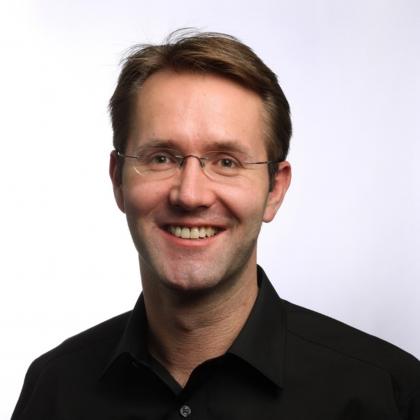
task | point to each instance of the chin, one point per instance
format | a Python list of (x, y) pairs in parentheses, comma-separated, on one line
[(191, 281), (193, 272)]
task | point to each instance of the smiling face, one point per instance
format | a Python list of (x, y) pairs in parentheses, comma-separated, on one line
[(191, 232)]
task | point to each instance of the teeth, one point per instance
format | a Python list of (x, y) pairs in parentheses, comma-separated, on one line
[(192, 233), (185, 233), (210, 231)]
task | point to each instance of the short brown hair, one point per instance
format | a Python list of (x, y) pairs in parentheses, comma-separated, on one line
[(207, 52)]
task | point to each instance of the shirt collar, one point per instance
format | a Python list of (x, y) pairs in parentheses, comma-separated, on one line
[(132, 345), (261, 342)]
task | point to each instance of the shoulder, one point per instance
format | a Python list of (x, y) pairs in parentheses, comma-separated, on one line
[(77, 360), (98, 342), (354, 347)]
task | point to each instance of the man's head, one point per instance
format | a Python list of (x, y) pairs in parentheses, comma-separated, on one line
[(205, 53), (195, 225)]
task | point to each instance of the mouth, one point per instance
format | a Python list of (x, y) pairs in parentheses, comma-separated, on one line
[(194, 233)]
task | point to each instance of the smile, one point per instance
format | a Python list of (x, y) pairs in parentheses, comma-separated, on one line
[(192, 232)]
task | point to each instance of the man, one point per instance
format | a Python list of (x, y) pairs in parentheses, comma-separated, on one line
[(201, 134)]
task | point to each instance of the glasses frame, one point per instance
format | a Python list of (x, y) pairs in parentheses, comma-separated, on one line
[(181, 159)]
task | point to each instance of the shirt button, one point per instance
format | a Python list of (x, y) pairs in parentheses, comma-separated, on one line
[(185, 411)]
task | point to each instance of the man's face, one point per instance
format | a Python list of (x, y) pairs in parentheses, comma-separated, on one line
[(195, 114)]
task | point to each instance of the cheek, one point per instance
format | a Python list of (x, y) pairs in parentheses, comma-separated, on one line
[(141, 199), (247, 202)]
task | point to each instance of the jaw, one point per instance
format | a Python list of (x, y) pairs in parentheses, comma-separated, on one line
[(196, 278), (172, 264)]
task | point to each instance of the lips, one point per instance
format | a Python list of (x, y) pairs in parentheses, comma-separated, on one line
[(195, 232)]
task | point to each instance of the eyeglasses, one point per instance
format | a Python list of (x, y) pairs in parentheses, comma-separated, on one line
[(164, 163)]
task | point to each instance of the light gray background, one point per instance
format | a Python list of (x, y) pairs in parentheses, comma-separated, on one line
[(346, 241)]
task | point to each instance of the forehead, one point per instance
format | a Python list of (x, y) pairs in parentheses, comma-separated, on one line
[(195, 111)]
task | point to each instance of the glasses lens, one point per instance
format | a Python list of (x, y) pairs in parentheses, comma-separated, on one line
[(163, 163), (223, 165), (155, 164)]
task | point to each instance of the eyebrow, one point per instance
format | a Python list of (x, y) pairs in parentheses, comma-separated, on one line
[(157, 144), (230, 145)]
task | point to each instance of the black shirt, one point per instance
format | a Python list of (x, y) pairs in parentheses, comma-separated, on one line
[(287, 363)]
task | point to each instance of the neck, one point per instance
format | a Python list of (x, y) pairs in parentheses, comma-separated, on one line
[(186, 331)]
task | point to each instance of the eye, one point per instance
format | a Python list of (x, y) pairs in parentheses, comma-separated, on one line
[(227, 163), (160, 158), (156, 160)]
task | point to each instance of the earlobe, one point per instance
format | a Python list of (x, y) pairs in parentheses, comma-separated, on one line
[(281, 183), (115, 175)]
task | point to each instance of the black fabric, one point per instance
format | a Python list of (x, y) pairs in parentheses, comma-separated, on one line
[(287, 363)]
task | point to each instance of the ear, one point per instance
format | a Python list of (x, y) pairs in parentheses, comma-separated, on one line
[(281, 183), (116, 178)]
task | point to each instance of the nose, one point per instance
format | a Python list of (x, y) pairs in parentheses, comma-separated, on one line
[(191, 187)]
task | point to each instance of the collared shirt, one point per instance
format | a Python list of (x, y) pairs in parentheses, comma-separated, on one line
[(286, 363)]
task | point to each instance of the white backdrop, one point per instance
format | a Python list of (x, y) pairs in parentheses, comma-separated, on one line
[(345, 243)]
